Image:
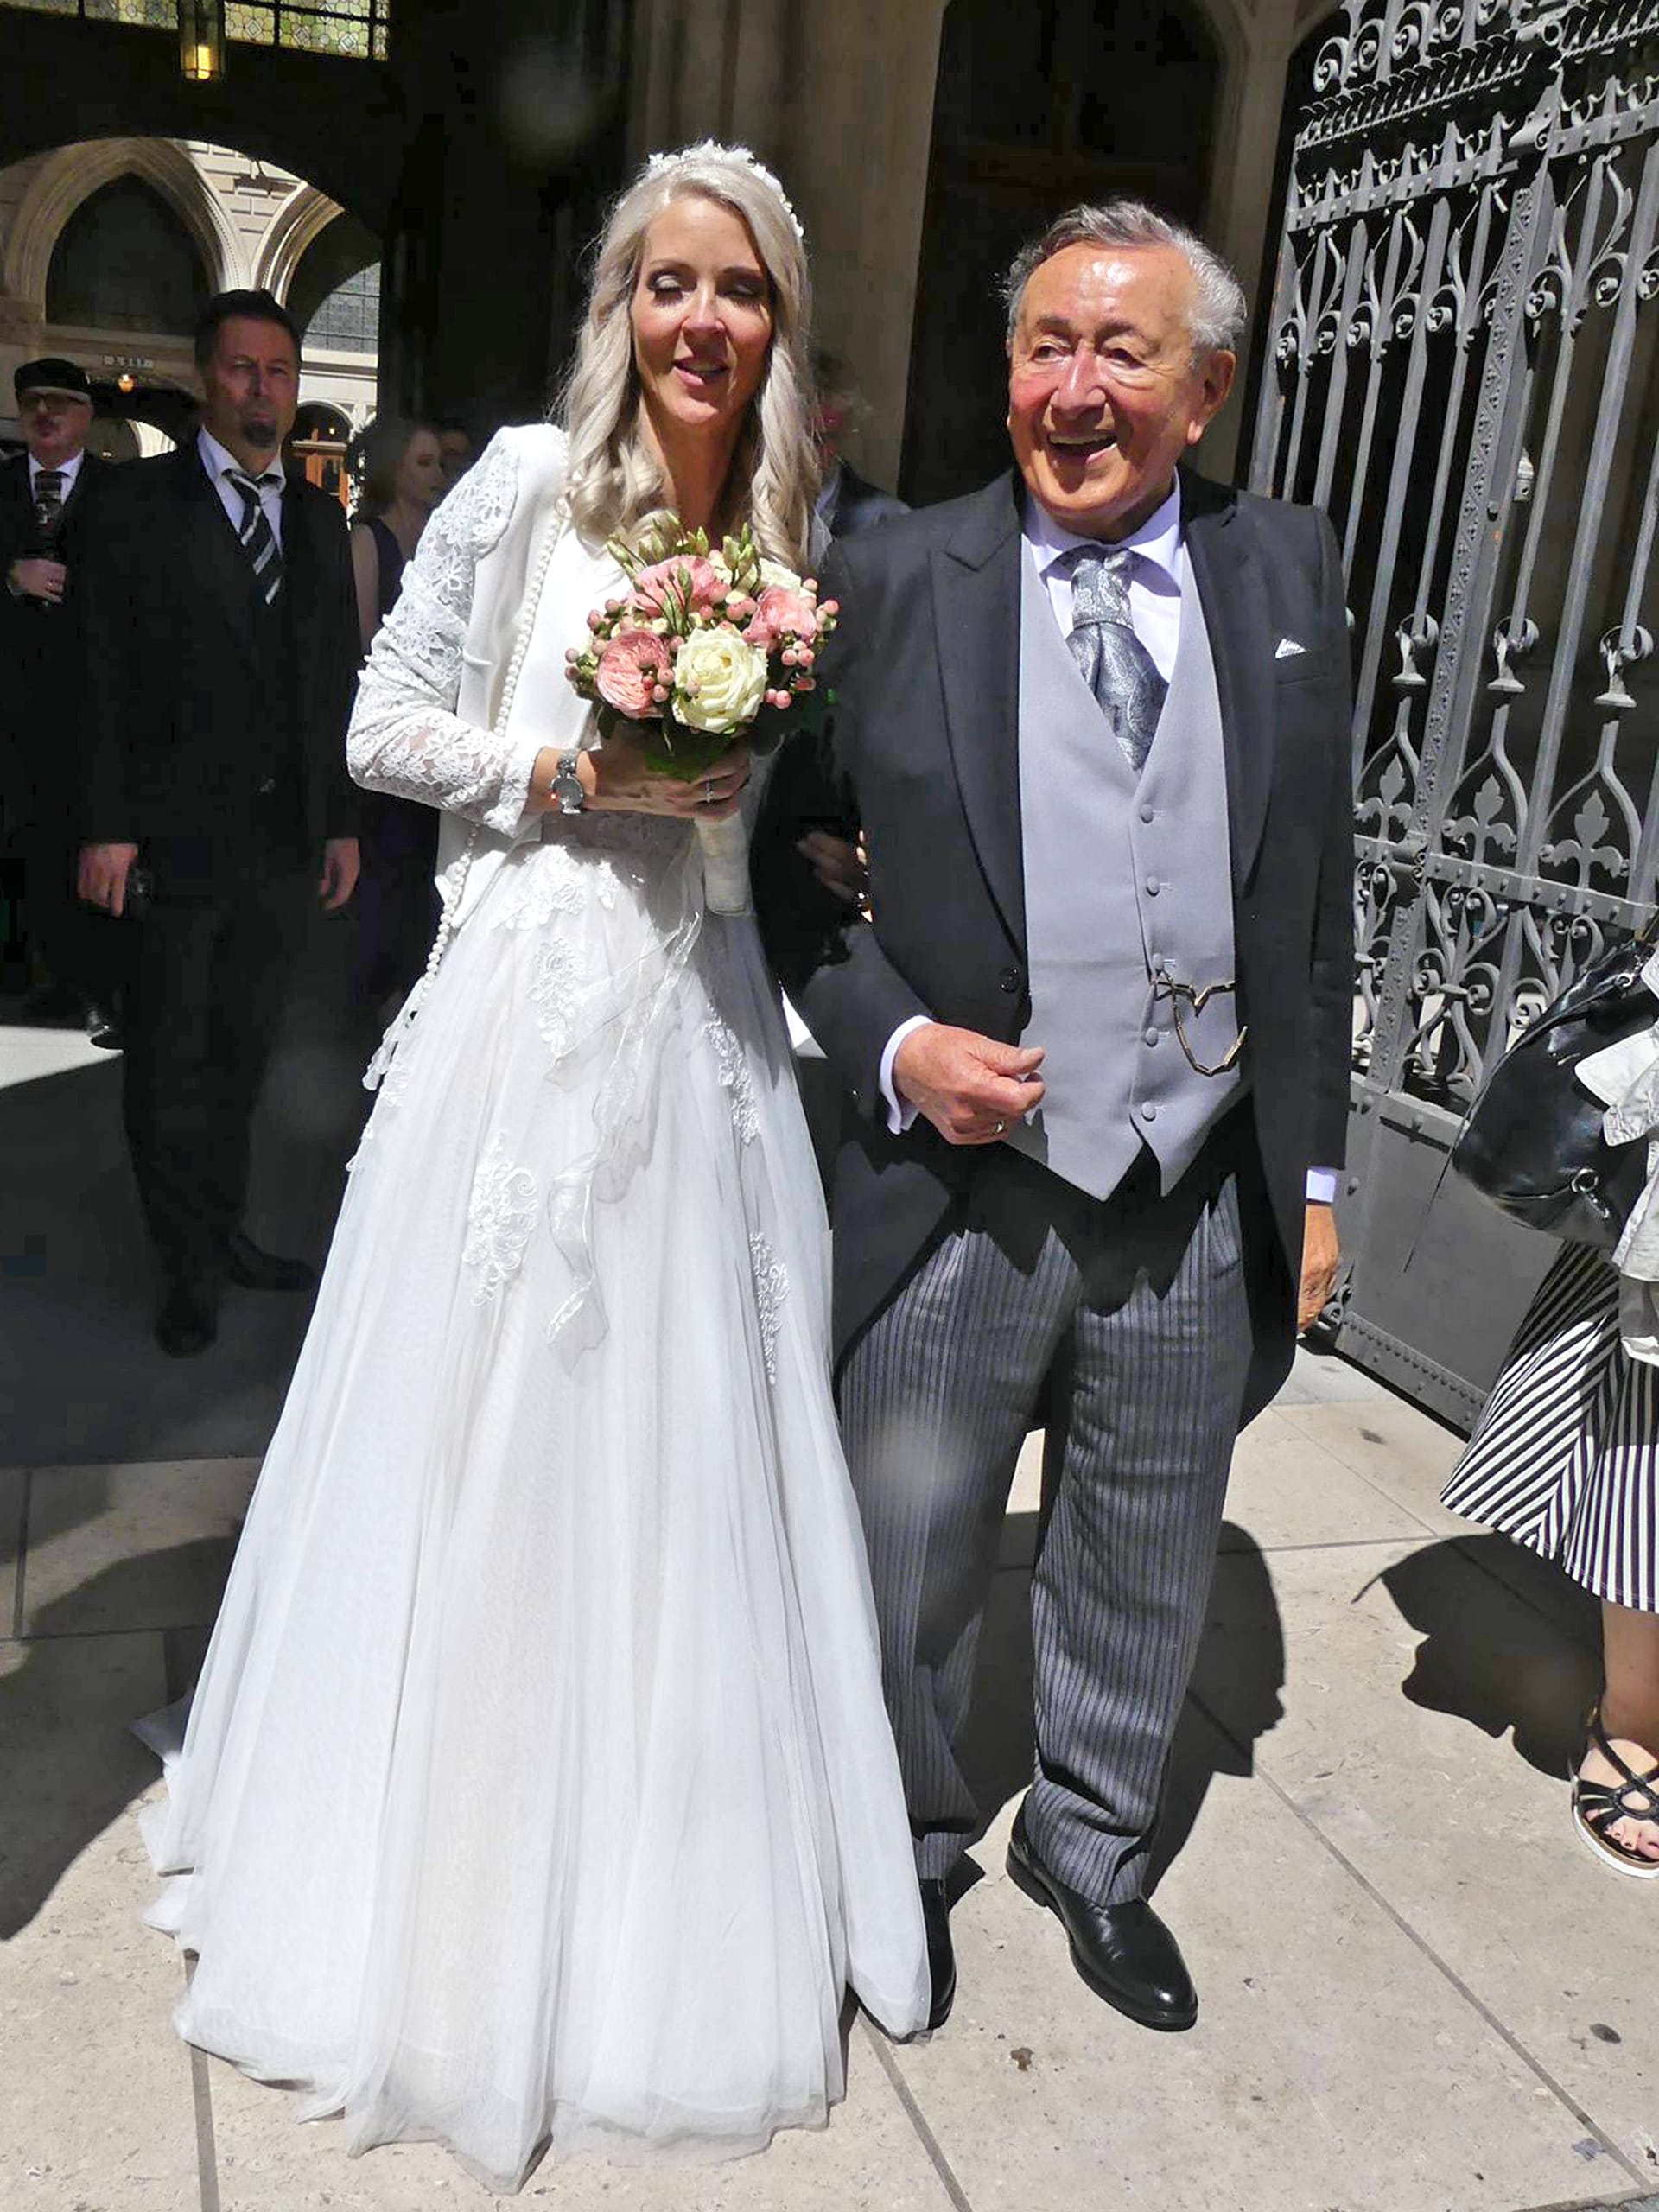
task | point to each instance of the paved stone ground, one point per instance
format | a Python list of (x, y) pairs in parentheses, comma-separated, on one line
[(1419, 1994)]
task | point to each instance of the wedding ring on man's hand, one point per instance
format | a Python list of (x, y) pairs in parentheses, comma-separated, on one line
[(1001, 1127)]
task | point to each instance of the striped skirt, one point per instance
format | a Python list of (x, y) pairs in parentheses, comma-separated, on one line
[(1566, 1458)]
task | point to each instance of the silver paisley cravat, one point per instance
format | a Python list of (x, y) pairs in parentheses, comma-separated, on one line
[(1116, 665)]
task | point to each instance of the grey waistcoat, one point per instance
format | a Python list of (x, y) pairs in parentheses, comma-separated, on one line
[(1125, 877)]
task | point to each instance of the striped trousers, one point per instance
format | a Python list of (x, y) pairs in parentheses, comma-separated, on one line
[(1123, 1325)]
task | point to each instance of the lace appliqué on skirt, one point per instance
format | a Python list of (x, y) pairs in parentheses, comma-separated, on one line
[(500, 1220), (770, 1288), (735, 1077), (556, 993)]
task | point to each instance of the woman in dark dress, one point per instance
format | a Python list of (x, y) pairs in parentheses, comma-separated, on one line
[(400, 470)]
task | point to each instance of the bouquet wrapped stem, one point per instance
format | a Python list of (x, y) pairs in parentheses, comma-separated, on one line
[(725, 865), (705, 648)]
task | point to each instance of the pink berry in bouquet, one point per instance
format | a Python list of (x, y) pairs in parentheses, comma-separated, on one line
[(685, 580), (633, 670), (781, 611)]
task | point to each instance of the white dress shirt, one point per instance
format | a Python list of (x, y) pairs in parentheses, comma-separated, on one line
[(218, 463), (68, 469), (1158, 584)]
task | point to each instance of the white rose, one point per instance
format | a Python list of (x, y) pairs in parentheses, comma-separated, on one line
[(718, 681), (773, 572)]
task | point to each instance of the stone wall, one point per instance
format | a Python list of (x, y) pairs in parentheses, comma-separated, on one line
[(250, 222)]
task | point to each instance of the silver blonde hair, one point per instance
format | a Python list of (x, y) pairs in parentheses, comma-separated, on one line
[(614, 478), (1218, 309)]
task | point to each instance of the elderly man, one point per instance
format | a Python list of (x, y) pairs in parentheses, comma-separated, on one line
[(1093, 723), (222, 650), (49, 495)]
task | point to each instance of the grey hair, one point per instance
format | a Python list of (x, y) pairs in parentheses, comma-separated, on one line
[(1218, 310), (614, 478)]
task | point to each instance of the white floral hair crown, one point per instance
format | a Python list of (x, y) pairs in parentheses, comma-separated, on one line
[(710, 150)]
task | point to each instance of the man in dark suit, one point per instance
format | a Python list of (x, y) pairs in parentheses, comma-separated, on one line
[(1093, 723), (221, 656), (50, 497), (846, 502)]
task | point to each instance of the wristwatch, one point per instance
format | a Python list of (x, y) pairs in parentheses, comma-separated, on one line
[(566, 787)]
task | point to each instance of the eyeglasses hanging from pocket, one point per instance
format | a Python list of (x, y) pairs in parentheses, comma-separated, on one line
[(1188, 996)]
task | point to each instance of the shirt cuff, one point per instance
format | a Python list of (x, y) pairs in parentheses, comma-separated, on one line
[(899, 1115), (1322, 1186)]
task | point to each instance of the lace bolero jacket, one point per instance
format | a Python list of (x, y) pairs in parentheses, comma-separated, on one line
[(428, 724)]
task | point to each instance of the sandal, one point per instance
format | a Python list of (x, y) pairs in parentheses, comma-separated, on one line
[(1597, 1805)]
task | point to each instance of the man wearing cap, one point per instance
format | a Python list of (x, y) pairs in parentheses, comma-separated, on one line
[(49, 500), (222, 652)]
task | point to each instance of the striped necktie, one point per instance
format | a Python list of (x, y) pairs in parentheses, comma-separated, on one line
[(1116, 665), (48, 502), (258, 538)]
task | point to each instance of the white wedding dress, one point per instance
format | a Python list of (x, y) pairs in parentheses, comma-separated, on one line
[(538, 1788)]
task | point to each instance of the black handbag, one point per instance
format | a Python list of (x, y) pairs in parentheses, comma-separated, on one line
[(1532, 1142)]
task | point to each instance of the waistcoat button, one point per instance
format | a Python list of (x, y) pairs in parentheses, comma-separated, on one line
[(1148, 814), (1152, 887), (1008, 980), (1148, 1112), (1151, 1036)]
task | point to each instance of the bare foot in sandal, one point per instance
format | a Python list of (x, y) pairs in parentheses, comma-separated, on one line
[(1616, 1802)]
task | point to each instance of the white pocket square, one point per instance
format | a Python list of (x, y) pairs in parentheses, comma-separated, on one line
[(1287, 649)]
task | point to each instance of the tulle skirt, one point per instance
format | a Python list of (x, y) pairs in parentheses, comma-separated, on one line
[(538, 1788)]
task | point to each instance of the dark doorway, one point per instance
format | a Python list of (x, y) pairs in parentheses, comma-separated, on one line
[(125, 262), (1037, 106)]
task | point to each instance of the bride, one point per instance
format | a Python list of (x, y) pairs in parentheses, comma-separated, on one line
[(538, 1789)]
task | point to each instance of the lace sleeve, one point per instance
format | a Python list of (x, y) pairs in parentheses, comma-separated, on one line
[(406, 737)]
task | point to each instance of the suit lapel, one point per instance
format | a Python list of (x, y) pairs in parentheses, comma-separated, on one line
[(1233, 594), (298, 567), (976, 622), (90, 466)]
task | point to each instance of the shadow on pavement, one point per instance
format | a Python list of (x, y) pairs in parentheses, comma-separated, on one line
[(67, 1702), (1240, 1671), (1514, 1647), (1243, 1646), (81, 1375)]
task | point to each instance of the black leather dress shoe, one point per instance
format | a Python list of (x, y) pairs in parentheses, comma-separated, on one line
[(941, 1956), (104, 1029), (250, 1268), (1123, 1952), (187, 1321)]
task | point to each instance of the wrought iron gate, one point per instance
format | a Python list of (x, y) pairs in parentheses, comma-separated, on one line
[(1466, 372)]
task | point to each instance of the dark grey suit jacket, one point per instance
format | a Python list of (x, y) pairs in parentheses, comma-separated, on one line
[(180, 711), (859, 505), (922, 755)]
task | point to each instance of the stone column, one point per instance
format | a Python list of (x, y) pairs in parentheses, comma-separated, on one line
[(840, 101)]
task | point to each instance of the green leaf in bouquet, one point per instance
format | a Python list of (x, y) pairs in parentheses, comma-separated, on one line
[(672, 749)]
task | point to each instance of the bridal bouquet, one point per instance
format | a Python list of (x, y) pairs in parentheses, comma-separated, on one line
[(706, 647)]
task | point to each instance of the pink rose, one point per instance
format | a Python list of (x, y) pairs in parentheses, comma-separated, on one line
[(781, 611), (632, 669), (687, 579)]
